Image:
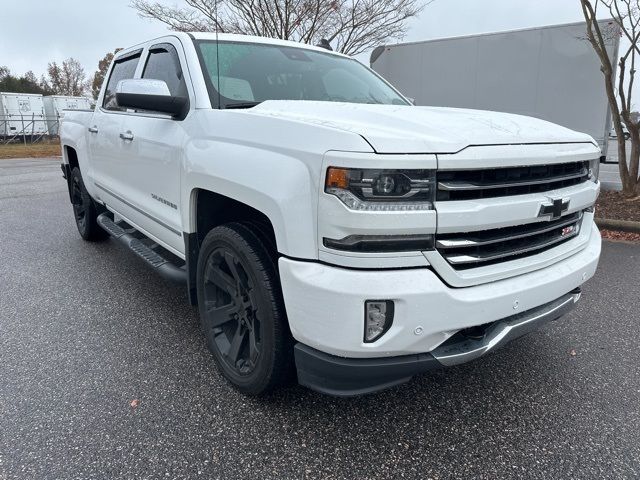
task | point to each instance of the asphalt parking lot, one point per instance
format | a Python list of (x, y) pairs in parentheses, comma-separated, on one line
[(86, 329)]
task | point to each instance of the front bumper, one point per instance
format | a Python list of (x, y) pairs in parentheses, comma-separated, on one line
[(357, 376), (325, 304), (325, 307)]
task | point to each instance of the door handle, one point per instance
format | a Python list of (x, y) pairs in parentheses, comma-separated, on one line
[(93, 129), (127, 135)]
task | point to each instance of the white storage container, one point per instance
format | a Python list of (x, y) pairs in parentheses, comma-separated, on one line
[(22, 113), (54, 105)]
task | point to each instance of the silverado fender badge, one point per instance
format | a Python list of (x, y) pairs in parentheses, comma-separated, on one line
[(162, 200), (554, 209)]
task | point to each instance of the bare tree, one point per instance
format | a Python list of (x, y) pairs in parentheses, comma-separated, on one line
[(67, 78), (351, 26), (626, 16), (98, 77)]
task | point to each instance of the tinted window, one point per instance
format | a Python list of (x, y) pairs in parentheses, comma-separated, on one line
[(163, 64), (246, 74), (122, 70)]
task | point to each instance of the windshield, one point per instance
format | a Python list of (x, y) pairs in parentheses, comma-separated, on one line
[(241, 75)]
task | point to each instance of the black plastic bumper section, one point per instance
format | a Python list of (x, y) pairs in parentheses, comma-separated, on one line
[(347, 377)]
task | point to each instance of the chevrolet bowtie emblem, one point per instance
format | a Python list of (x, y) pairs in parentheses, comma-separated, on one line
[(555, 209)]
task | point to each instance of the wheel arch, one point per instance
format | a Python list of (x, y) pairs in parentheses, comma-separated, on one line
[(277, 189), (69, 162), (71, 157), (209, 209)]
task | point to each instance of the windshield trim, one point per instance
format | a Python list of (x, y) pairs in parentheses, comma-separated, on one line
[(214, 94)]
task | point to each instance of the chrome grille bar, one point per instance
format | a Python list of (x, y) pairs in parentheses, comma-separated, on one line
[(479, 241), (476, 249), (465, 186), (488, 258), (508, 181)]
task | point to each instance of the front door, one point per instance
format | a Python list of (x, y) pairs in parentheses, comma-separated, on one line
[(152, 148)]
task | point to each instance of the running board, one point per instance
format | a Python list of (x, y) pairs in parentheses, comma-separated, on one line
[(163, 266)]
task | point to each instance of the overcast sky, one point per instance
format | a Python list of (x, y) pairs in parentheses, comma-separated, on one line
[(35, 32)]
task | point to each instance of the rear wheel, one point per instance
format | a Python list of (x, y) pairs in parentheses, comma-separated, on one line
[(241, 309), (85, 210)]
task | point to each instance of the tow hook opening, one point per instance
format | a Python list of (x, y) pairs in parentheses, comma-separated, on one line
[(477, 332)]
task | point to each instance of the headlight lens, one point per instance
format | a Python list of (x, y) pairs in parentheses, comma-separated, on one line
[(594, 169), (382, 190)]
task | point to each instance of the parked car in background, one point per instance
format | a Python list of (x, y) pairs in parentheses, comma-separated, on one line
[(613, 134), (324, 225)]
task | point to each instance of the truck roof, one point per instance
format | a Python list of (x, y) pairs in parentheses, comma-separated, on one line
[(229, 37)]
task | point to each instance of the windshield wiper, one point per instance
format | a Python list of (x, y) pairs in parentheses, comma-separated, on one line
[(375, 100), (242, 105)]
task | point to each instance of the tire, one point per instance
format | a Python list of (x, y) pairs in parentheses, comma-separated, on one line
[(241, 309), (85, 211)]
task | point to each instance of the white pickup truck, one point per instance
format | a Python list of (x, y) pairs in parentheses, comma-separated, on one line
[(324, 225)]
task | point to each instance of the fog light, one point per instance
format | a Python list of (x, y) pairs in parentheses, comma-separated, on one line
[(378, 317)]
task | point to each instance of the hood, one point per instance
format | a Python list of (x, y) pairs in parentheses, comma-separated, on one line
[(410, 129)]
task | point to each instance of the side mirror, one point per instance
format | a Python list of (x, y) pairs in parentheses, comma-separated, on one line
[(150, 95)]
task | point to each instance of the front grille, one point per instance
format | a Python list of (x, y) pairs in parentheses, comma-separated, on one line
[(502, 182), (478, 249)]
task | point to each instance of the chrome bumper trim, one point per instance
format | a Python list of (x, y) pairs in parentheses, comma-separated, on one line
[(461, 349)]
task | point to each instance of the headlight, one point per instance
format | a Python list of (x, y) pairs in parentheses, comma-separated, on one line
[(382, 190), (594, 169)]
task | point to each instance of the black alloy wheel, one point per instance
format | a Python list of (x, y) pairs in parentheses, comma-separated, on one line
[(242, 310), (231, 310)]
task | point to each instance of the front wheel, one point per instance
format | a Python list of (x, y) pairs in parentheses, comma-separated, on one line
[(241, 309)]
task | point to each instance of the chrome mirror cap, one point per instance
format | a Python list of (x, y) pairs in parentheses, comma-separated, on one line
[(143, 86)]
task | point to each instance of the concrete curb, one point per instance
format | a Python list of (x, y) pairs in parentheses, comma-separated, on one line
[(621, 225)]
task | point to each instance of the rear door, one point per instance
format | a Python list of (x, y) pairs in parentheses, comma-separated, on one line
[(153, 151), (105, 145)]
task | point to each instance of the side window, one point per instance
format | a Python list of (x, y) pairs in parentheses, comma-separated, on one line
[(122, 70), (164, 64)]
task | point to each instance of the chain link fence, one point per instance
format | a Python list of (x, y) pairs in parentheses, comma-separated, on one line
[(29, 128)]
